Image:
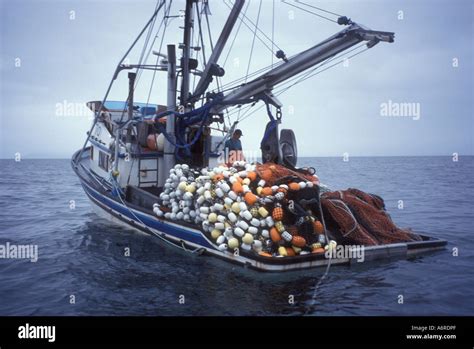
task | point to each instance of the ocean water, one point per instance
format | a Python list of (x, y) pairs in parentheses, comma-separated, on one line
[(81, 256)]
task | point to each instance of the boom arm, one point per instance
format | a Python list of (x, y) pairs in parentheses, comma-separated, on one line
[(337, 43)]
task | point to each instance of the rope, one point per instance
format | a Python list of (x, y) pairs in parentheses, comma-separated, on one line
[(348, 210), (318, 8), (305, 10), (115, 185)]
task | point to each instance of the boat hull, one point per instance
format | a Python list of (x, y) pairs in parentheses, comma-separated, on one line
[(192, 239)]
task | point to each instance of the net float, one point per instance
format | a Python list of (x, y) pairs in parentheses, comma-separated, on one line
[(200, 200), (219, 192), (239, 232), (221, 239), (232, 217), (233, 243), (246, 247), (228, 232), (243, 206), (298, 241), (280, 227), (221, 218), (265, 234), (219, 225), (204, 209), (318, 250), (263, 212), (235, 207), (270, 222), (243, 225), (222, 247), (252, 230), (255, 222), (294, 186), (215, 233), (246, 215), (265, 254), (282, 251), (286, 236), (232, 195), (290, 252), (254, 212), (247, 239), (302, 185), (275, 235), (208, 195), (318, 227), (322, 239), (246, 182), (218, 207), (179, 215)]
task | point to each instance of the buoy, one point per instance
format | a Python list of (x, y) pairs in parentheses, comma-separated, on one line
[(223, 247), (318, 227), (298, 241), (252, 230), (286, 236), (212, 217), (280, 227), (233, 243), (220, 240), (263, 212), (246, 215), (282, 251), (235, 207), (277, 213), (247, 239), (215, 234), (243, 225), (250, 198), (239, 232), (275, 235), (294, 186), (246, 247), (290, 252), (232, 217)]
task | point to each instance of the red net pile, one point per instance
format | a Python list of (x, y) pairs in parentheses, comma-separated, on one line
[(355, 217)]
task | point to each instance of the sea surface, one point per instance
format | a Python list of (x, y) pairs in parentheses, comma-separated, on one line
[(82, 268)]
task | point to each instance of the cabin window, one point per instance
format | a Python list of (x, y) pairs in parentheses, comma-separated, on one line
[(103, 161), (92, 153)]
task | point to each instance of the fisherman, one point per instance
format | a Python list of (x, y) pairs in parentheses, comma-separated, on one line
[(233, 148)]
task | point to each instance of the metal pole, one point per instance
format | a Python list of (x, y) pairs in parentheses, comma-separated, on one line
[(188, 24), (131, 87), (169, 159)]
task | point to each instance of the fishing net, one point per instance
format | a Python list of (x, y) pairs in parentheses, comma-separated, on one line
[(355, 217), (277, 174)]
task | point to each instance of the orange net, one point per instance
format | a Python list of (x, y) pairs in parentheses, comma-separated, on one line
[(273, 173), (355, 217)]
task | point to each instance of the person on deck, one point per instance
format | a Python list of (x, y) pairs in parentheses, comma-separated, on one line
[(233, 148)]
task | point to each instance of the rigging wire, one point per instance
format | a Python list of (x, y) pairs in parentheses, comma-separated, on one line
[(235, 36), (318, 8), (251, 28), (313, 13), (251, 49), (303, 78), (165, 21), (304, 74)]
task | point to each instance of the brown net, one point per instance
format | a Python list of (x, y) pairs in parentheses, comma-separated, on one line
[(355, 217)]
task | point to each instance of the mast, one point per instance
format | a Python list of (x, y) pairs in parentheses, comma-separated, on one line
[(186, 47), (169, 148)]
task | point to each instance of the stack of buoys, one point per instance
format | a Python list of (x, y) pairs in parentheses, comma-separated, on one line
[(237, 210)]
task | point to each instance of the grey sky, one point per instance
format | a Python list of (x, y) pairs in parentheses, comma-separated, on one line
[(335, 112)]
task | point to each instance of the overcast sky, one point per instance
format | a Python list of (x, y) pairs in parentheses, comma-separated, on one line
[(56, 51)]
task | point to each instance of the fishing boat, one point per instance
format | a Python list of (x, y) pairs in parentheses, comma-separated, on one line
[(164, 169)]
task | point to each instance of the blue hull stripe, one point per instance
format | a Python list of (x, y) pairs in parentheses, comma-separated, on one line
[(180, 233)]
